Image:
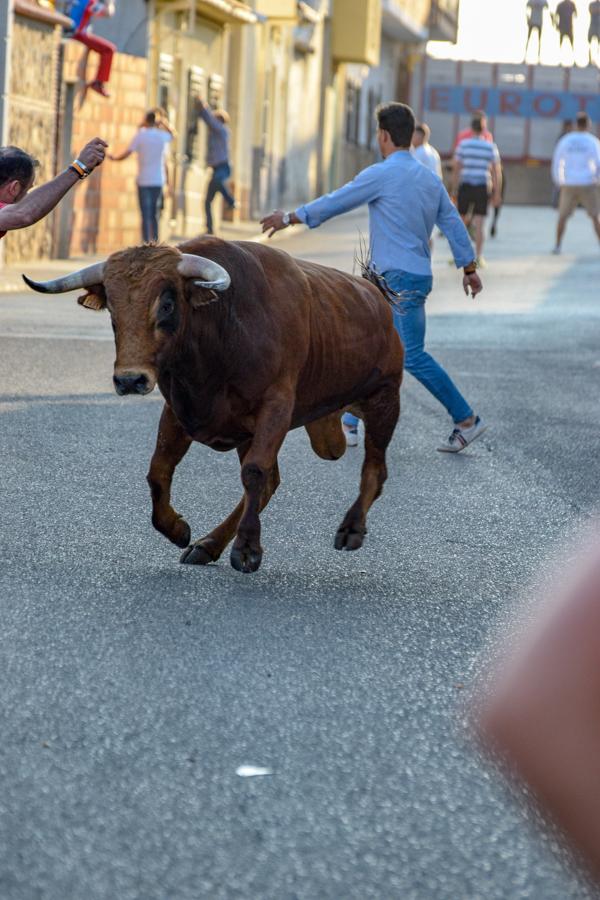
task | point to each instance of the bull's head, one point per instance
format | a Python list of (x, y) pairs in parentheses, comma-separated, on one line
[(147, 291)]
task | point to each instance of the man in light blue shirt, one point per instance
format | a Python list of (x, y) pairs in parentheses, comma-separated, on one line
[(406, 200)]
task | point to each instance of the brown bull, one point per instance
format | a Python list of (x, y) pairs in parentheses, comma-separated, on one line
[(246, 343)]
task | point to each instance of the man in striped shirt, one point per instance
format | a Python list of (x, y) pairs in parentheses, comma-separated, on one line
[(476, 165)]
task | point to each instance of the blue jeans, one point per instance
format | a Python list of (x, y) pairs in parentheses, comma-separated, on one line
[(409, 320), (216, 186), (149, 198)]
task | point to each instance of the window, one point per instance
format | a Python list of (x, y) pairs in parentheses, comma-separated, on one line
[(165, 80), (196, 90)]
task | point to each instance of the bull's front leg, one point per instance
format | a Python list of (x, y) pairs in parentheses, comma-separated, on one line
[(272, 425), (172, 443)]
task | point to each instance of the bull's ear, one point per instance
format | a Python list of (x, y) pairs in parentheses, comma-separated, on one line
[(94, 299), (199, 296)]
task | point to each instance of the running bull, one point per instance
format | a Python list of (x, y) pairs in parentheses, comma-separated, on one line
[(246, 343)]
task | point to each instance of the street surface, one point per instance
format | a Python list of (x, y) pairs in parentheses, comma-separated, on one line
[(134, 687)]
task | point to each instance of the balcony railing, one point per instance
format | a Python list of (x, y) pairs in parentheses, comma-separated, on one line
[(221, 10)]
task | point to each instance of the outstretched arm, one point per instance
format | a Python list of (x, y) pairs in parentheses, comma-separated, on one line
[(118, 157), (206, 115), (41, 201), (363, 189)]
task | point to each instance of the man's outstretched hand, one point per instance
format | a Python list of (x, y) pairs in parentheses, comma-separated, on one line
[(275, 221), (473, 283), (93, 153)]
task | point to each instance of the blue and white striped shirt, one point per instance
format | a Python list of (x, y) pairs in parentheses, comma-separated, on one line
[(406, 200), (477, 157)]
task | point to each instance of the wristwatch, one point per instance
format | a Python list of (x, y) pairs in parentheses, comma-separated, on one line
[(285, 219), (80, 168), (471, 268)]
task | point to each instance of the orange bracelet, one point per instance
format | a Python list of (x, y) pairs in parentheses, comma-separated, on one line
[(78, 167)]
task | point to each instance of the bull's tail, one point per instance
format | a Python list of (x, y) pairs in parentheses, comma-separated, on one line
[(363, 259)]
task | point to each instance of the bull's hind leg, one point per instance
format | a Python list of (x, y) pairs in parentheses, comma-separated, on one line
[(380, 413), (209, 548), (172, 443)]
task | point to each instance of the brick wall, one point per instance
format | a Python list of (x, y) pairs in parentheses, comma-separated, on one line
[(32, 120), (104, 213)]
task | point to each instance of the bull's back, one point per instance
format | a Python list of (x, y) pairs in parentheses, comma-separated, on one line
[(342, 321), (352, 324)]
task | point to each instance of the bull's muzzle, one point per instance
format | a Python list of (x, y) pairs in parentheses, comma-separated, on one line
[(132, 383)]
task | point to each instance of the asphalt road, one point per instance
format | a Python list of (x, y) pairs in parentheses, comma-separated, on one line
[(134, 688)]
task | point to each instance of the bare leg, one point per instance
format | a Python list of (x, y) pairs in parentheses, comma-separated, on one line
[(479, 235), (596, 224), (496, 216), (172, 443), (381, 412), (560, 229)]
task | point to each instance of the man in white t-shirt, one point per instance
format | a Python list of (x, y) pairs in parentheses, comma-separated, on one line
[(150, 144), (576, 171), (422, 150), (536, 21)]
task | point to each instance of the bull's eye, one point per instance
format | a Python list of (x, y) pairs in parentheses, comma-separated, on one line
[(166, 307), (165, 314)]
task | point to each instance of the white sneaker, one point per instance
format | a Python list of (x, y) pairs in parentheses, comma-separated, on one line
[(351, 436), (462, 437), (556, 251)]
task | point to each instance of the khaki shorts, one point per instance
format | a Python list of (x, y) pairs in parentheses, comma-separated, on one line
[(573, 195)]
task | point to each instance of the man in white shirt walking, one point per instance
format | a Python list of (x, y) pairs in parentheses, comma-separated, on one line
[(150, 144), (576, 171), (422, 150)]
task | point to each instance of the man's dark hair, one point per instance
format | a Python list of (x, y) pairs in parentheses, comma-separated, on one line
[(16, 165), (398, 120), (150, 117), (583, 120), (477, 124)]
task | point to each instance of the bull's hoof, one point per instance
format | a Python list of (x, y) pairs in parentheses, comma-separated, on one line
[(182, 534), (245, 560), (197, 555), (349, 538), (178, 532)]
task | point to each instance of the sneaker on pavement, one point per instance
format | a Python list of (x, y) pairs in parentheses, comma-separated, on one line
[(556, 251), (462, 437), (351, 436)]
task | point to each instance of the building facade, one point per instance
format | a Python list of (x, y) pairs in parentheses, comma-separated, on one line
[(301, 80), (30, 34), (405, 28)]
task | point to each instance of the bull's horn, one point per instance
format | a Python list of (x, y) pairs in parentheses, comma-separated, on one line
[(205, 272), (82, 279)]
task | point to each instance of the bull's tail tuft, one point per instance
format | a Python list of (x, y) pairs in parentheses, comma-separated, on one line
[(363, 259)]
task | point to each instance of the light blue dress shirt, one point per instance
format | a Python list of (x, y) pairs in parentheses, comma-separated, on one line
[(406, 200)]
